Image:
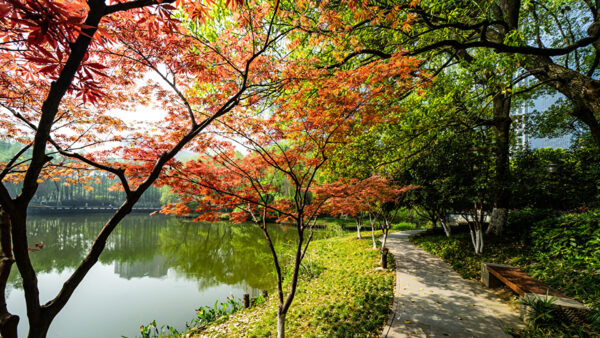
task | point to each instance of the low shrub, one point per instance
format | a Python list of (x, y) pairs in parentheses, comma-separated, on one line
[(403, 226), (541, 310), (566, 254), (520, 222), (204, 316)]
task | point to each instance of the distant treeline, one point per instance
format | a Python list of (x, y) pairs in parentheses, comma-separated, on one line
[(57, 193), (96, 194)]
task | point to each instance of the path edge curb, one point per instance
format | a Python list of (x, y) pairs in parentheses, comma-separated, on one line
[(390, 320)]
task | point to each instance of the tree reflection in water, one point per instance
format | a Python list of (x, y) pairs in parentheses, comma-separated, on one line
[(148, 246)]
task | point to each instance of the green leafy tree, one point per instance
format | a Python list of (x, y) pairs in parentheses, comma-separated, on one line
[(557, 178), (503, 42)]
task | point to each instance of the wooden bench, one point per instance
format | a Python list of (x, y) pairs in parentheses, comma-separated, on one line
[(496, 275)]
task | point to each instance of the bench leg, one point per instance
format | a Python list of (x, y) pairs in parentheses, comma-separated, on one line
[(488, 279)]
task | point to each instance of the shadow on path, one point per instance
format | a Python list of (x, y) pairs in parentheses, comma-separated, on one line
[(432, 300)]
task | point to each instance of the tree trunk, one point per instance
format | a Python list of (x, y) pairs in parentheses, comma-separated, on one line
[(8, 321), (280, 325), (472, 232), (446, 228), (497, 221), (384, 262), (444, 223), (38, 317), (372, 220), (507, 11), (284, 305), (480, 232), (373, 237), (502, 124), (8, 325), (385, 235), (38, 328), (475, 222), (476, 238), (385, 229)]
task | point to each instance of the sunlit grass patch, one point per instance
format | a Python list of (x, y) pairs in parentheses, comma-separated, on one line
[(340, 295)]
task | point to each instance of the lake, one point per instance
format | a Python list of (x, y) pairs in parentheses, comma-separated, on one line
[(153, 268)]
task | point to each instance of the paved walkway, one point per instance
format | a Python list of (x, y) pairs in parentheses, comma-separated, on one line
[(432, 300)]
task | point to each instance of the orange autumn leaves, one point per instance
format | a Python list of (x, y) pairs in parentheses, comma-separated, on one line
[(294, 113), (286, 147), (114, 75), (277, 143), (37, 36), (354, 197)]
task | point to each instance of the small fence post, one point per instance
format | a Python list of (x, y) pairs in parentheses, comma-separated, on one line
[(384, 253)]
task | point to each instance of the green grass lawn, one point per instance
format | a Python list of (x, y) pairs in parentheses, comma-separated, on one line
[(339, 294), (349, 224)]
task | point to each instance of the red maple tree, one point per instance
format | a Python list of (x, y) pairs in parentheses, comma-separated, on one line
[(282, 143), (66, 64), (373, 196)]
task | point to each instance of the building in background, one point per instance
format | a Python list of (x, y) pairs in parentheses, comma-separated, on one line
[(519, 121), (523, 137)]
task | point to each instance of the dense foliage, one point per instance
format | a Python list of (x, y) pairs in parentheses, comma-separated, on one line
[(556, 178), (68, 65), (420, 91)]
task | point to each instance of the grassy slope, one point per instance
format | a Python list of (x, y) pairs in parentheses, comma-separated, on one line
[(339, 294)]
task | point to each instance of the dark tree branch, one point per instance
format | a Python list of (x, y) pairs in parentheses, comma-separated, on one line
[(120, 173), (506, 48), (38, 323), (9, 164), (55, 305), (366, 51), (124, 6)]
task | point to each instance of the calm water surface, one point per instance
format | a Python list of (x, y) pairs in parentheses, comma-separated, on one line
[(153, 268)]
